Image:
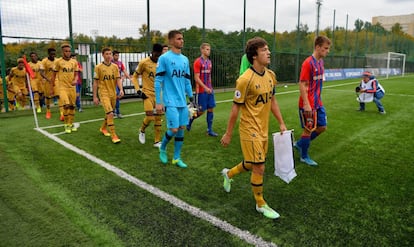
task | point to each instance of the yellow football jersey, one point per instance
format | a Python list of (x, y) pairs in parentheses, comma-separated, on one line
[(36, 67), (147, 68), (254, 93), (107, 75), (18, 77), (48, 67), (65, 70)]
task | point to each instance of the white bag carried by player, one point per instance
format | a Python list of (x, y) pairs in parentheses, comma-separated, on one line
[(283, 155)]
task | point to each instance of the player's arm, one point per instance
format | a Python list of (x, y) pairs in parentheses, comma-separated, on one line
[(95, 91), (277, 114), (200, 83), (125, 73), (135, 81), (303, 89), (159, 78), (234, 114), (121, 89)]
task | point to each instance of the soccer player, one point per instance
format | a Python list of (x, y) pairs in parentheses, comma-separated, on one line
[(143, 80), (47, 76), (172, 81), (165, 48), (18, 78), (36, 82), (65, 72), (310, 102), (204, 88), (106, 79), (123, 73), (255, 98), (78, 84)]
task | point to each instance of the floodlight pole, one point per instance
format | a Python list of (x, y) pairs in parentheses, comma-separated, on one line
[(148, 28), (297, 46), (318, 3), (204, 21), (70, 25), (274, 36), (244, 23)]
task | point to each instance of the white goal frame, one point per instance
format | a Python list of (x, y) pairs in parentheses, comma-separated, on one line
[(389, 59)]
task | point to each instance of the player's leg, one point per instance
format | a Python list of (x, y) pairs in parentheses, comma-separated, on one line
[(377, 100), (72, 108), (78, 103), (117, 104), (109, 104), (179, 137), (149, 117), (172, 119), (302, 145), (228, 174), (211, 103)]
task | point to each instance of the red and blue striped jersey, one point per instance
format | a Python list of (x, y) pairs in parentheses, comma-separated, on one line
[(313, 72), (203, 67)]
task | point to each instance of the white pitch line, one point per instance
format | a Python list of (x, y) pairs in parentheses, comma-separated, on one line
[(225, 226)]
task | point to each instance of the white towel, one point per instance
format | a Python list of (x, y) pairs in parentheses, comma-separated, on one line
[(283, 153)]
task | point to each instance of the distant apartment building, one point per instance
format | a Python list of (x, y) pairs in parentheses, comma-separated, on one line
[(406, 22)]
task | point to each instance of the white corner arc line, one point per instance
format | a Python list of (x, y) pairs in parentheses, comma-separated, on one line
[(225, 226)]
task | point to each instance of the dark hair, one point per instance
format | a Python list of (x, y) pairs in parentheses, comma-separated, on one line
[(157, 47), (114, 52), (251, 47), (31, 53), (320, 40), (172, 34), (49, 50), (105, 49)]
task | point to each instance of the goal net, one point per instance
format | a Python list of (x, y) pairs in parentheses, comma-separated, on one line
[(386, 64)]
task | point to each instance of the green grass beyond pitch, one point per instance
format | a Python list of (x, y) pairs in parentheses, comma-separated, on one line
[(361, 194)]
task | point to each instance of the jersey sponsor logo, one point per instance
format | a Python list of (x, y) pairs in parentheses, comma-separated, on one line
[(151, 75), (68, 70), (263, 98), (178, 73), (318, 77), (108, 77)]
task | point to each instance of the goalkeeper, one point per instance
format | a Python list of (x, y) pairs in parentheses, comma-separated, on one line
[(172, 84), (143, 80)]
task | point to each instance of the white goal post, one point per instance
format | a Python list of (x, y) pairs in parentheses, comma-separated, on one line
[(391, 55), (386, 64)]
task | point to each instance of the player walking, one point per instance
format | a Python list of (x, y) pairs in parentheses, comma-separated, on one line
[(172, 81), (106, 78), (254, 97), (311, 110)]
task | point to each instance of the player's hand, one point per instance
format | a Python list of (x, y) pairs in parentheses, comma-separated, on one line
[(159, 108), (282, 128), (225, 140), (209, 90), (308, 111), (121, 94), (96, 100)]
